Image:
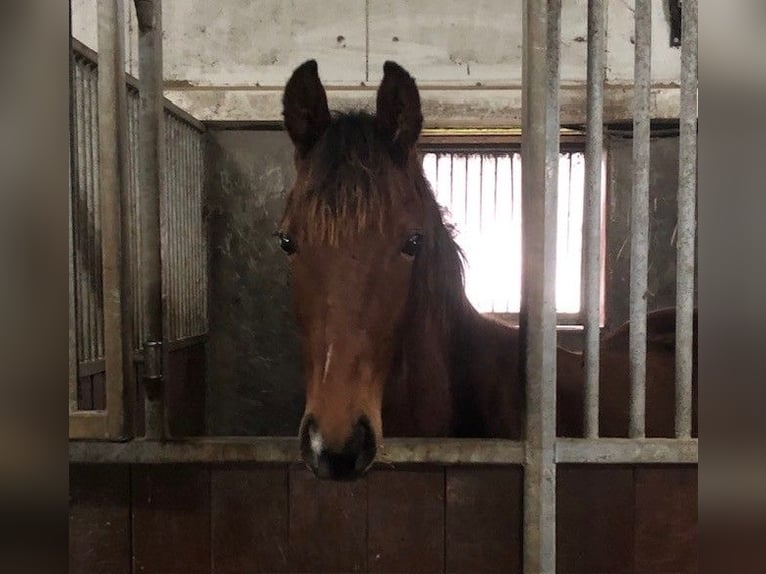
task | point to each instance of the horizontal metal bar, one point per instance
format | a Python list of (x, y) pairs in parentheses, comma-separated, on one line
[(452, 451), (286, 450), (626, 451), (394, 451)]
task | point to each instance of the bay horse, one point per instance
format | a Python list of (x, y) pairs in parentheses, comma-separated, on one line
[(389, 339)]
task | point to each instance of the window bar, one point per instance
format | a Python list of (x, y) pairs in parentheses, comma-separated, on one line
[(540, 158), (639, 228), (687, 181), (594, 150)]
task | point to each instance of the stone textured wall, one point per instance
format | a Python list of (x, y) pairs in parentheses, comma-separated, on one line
[(255, 381)]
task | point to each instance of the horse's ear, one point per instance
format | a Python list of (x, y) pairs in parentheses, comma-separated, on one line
[(304, 106), (398, 116)]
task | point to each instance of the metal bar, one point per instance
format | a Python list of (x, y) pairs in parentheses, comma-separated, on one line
[(626, 451), (149, 15), (394, 451), (540, 158), (172, 237), (687, 185), (286, 450), (112, 134), (96, 241), (639, 217), (80, 203), (90, 108), (188, 231), (73, 169), (594, 151), (203, 237)]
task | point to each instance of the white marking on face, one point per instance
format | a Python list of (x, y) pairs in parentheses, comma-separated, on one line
[(315, 439), (327, 360)]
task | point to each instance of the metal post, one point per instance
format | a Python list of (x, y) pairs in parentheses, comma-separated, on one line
[(594, 151), (113, 174), (149, 15), (540, 151), (639, 217), (687, 185)]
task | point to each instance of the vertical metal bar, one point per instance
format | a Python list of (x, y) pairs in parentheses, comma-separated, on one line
[(540, 148), (594, 151), (639, 217), (199, 239), (172, 180), (189, 235), (112, 122), (204, 233), (89, 228), (80, 205), (687, 185), (97, 270), (73, 169), (149, 16)]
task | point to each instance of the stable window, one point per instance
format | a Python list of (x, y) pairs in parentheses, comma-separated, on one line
[(480, 190)]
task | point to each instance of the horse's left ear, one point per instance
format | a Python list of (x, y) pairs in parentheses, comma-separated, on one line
[(398, 116)]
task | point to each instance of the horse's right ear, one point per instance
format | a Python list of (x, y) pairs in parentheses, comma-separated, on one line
[(304, 106)]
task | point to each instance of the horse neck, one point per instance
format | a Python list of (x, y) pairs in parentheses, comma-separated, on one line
[(419, 397)]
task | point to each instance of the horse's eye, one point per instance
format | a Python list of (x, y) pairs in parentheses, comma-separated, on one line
[(413, 242), (287, 243)]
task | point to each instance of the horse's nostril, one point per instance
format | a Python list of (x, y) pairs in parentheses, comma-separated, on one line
[(348, 463), (366, 451)]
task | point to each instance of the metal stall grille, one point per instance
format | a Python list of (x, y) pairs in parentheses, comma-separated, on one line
[(184, 232), (481, 192)]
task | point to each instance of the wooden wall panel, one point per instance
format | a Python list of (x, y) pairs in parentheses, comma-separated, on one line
[(249, 512), (185, 392), (484, 513), (594, 527), (171, 519), (666, 520), (99, 519), (406, 521), (327, 524)]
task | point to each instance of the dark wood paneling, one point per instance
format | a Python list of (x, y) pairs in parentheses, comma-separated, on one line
[(406, 521), (99, 519), (171, 519), (249, 510), (594, 527), (666, 520), (99, 391), (484, 519), (328, 524), (85, 393)]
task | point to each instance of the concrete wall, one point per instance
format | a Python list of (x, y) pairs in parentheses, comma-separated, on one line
[(229, 60)]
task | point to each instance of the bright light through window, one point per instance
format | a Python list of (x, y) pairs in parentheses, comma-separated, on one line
[(482, 196)]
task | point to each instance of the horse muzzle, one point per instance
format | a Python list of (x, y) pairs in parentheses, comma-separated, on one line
[(350, 462)]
